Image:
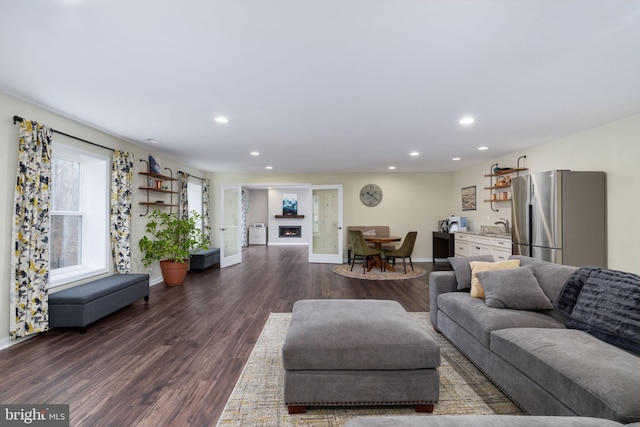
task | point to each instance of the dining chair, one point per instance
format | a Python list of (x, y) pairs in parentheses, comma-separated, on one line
[(405, 251), (360, 248)]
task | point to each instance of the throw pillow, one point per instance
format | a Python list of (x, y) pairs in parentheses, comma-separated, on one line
[(369, 232), (516, 288), (476, 266), (462, 269)]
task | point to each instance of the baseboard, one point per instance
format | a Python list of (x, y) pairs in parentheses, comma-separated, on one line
[(8, 342)]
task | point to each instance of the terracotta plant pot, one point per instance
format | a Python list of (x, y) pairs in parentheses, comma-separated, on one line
[(174, 273)]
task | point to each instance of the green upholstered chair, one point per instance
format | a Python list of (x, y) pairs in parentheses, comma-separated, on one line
[(361, 249), (404, 251)]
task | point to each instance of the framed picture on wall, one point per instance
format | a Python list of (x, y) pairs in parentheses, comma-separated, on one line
[(289, 204), (469, 198)]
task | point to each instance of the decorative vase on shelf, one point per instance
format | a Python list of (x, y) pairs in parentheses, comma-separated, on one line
[(154, 166)]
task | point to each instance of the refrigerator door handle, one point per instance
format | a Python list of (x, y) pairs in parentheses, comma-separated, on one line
[(530, 231)]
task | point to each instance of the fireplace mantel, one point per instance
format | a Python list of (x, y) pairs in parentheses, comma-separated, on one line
[(289, 216)]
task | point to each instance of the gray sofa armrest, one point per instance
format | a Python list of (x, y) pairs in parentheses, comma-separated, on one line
[(440, 282)]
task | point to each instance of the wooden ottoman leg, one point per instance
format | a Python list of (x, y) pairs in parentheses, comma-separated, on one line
[(300, 409), (424, 408)]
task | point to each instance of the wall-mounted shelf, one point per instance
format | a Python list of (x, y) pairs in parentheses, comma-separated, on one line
[(506, 171), (289, 216), (156, 190), (153, 184), (502, 182)]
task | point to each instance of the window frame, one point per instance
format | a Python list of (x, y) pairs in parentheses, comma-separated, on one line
[(94, 209)]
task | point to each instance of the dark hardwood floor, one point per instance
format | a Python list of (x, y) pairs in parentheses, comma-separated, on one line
[(176, 359)]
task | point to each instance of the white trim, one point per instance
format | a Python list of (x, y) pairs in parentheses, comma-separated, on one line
[(8, 342)]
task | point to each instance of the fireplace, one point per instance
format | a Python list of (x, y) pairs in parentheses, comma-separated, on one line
[(290, 231)]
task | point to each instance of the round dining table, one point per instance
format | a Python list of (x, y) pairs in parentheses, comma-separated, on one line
[(378, 241)]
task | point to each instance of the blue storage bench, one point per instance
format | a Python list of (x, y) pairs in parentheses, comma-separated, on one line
[(83, 304), (205, 258)]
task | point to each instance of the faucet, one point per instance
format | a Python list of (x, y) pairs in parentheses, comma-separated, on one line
[(504, 222)]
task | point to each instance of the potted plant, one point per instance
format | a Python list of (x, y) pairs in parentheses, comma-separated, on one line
[(171, 240)]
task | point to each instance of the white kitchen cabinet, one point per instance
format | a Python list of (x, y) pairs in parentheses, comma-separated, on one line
[(500, 248), (462, 244), (479, 245), (467, 244)]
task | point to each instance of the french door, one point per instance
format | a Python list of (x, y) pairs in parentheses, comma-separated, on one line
[(326, 244), (230, 226)]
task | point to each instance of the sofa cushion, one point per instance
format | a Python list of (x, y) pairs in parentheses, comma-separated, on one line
[(462, 269), (587, 375), (515, 288), (608, 308), (476, 287), (475, 317)]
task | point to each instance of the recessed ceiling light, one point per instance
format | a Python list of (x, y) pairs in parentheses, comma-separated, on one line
[(467, 120), (456, 158), (484, 147), (269, 167), (151, 140), (221, 119), (391, 168), (414, 154), (255, 153)]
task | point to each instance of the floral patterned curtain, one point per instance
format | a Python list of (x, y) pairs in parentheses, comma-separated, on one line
[(121, 186), (31, 223), (206, 221), (244, 197), (184, 200)]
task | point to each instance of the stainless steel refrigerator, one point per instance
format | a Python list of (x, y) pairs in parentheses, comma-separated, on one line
[(561, 217)]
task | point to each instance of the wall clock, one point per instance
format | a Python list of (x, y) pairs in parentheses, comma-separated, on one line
[(371, 195)]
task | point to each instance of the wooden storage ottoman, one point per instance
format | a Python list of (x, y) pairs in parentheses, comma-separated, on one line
[(358, 352)]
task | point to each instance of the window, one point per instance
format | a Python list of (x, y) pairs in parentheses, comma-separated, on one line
[(79, 235), (194, 199)]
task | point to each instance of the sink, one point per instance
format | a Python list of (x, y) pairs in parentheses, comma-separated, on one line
[(505, 235)]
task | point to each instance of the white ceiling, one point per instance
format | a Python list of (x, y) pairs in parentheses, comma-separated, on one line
[(327, 85)]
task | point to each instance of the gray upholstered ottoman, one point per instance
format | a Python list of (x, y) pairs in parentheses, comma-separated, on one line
[(358, 352)]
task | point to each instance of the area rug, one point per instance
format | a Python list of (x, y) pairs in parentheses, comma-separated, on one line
[(375, 274), (257, 398)]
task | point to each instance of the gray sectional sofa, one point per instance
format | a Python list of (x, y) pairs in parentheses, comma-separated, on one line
[(550, 360)]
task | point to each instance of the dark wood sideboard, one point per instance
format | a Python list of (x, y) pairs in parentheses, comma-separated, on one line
[(443, 245)]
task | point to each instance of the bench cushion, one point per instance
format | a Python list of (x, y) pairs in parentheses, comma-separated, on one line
[(356, 335), (90, 291)]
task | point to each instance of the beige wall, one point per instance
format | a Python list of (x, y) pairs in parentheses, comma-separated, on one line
[(9, 107), (613, 148)]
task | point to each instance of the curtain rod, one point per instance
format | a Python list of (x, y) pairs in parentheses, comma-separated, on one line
[(196, 177), (20, 119)]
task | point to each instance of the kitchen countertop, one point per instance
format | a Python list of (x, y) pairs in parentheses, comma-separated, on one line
[(485, 234)]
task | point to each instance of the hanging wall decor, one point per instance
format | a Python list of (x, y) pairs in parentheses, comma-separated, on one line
[(469, 198), (289, 204)]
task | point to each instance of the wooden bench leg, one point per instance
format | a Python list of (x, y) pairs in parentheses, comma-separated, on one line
[(298, 409), (424, 408)]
